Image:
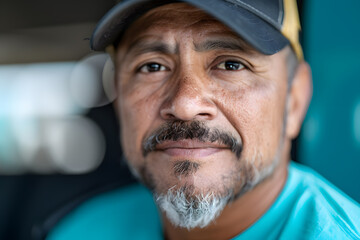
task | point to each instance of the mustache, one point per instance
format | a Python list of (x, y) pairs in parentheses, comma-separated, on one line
[(194, 130)]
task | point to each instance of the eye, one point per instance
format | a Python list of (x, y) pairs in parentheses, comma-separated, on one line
[(152, 67), (230, 65)]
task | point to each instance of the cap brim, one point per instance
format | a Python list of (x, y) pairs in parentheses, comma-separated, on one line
[(254, 30)]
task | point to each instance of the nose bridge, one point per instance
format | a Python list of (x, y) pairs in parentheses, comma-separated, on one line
[(188, 87), (189, 98), (189, 77)]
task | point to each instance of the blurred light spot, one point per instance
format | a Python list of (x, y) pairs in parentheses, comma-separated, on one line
[(37, 90), (311, 130), (6, 79), (9, 160), (25, 131), (75, 144), (87, 81), (39, 130), (357, 123)]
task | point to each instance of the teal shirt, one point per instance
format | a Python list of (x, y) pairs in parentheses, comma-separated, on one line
[(308, 207)]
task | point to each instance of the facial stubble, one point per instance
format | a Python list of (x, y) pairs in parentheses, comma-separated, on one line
[(184, 204)]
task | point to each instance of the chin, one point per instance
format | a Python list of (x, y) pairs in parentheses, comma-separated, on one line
[(193, 193), (194, 201), (191, 210), (191, 204)]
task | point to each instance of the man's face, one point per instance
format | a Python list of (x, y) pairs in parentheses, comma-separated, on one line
[(200, 111)]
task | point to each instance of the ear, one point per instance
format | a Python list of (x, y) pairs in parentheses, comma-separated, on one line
[(108, 78), (298, 99)]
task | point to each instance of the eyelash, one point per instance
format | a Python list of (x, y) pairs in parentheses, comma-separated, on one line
[(161, 67), (232, 63), (238, 60)]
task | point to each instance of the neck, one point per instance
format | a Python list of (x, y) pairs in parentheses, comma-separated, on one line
[(238, 215)]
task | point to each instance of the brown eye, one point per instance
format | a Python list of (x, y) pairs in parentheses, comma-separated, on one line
[(230, 65), (152, 67)]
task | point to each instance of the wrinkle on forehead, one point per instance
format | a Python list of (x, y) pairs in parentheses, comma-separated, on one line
[(173, 16), (169, 11), (150, 32)]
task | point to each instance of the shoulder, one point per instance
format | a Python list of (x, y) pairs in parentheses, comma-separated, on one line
[(128, 213), (321, 208)]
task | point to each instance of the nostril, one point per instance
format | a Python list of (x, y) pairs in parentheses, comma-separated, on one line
[(169, 116), (187, 108), (203, 116)]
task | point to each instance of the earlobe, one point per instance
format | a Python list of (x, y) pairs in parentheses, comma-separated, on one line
[(298, 100)]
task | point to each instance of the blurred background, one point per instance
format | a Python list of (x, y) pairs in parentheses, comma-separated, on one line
[(58, 133)]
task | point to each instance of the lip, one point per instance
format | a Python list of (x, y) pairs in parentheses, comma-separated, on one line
[(190, 148)]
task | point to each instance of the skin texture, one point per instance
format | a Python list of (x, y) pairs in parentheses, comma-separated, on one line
[(193, 80)]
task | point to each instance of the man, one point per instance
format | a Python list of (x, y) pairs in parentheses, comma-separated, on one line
[(210, 95)]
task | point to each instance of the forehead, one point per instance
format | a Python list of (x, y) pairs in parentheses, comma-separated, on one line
[(177, 14), (178, 17)]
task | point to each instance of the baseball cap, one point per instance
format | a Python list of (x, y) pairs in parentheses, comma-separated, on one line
[(266, 25)]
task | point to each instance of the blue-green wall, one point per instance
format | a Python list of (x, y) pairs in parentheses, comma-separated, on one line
[(330, 140)]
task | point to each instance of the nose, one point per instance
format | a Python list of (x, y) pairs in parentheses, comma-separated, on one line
[(188, 100)]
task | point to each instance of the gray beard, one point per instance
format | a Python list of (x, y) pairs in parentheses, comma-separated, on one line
[(199, 210), (187, 210)]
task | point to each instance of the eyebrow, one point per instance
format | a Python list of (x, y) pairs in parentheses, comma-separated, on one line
[(142, 46), (222, 44)]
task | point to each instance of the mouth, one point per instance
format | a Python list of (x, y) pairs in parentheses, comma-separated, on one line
[(190, 148), (190, 139)]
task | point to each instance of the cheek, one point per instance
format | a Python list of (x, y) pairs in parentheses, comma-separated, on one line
[(138, 112), (257, 114)]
